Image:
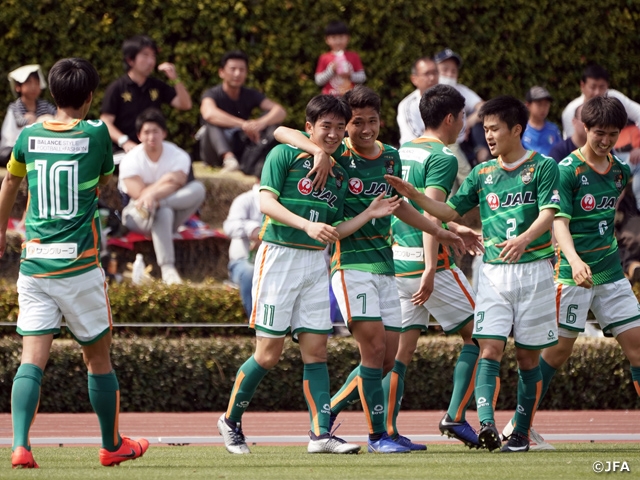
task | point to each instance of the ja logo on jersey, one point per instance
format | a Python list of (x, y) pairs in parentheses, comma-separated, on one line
[(588, 203), (356, 186), (493, 201), (512, 200), (305, 186)]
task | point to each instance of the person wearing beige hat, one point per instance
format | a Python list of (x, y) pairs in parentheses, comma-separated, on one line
[(27, 82)]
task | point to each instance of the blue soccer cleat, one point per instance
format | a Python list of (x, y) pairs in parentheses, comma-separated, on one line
[(459, 430), (386, 445), (405, 442)]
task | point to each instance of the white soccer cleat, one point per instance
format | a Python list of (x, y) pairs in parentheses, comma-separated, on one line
[(537, 442), (328, 443), (233, 437)]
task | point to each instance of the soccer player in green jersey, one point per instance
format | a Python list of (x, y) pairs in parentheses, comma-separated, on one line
[(362, 263), (518, 196), (66, 160), (290, 283), (429, 282), (589, 274)]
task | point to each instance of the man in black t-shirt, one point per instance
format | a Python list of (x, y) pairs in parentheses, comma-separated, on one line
[(229, 138), (134, 92)]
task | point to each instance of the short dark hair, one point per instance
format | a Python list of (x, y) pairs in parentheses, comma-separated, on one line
[(234, 55), (508, 109), (131, 47), (71, 81), (362, 97), (336, 28), (150, 115), (604, 112), (414, 67), (595, 71), (438, 102), (321, 105)]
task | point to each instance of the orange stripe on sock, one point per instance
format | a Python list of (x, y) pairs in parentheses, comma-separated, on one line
[(496, 393), (464, 290), (116, 426), (345, 393), (234, 392), (637, 385), (535, 405), (315, 426), (346, 295), (35, 414), (391, 402), (254, 311), (365, 406), (467, 396)]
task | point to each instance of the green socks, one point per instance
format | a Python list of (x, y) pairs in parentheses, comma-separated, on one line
[(25, 396), (348, 393), (249, 376), (635, 376), (393, 387), (547, 375), (463, 384), (104, 395), (315, 383), (529, 394), (372, 396), (487, 389)]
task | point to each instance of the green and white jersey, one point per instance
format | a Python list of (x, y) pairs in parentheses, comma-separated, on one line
[(426, 162), (285, 174), (588, 199), (63, 163), (369, 248), (510, 200)]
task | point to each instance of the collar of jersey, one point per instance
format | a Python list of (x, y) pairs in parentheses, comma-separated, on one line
[(578, 154), (350, 146), (60, 126), (530, 154)]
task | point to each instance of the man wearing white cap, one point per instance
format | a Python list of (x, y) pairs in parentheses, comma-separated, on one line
[(27, 82)]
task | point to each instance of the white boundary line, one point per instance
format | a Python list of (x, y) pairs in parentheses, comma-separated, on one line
[(302, 439)]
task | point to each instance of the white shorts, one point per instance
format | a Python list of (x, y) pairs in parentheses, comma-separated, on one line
[(82, 300), (364, 296), (451, 303), (290, 292), (614, 305), (521, 296)]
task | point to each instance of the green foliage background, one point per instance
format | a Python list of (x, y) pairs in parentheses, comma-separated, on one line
[(507, 45)]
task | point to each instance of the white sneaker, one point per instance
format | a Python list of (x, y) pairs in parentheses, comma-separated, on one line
[(327, 443), (537, 442), (170, 275), (230, 164), (233, 437)]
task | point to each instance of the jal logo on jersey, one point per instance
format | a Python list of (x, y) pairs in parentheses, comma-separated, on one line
[(356, 186), (305, 186), (512, 200), (588, 203)]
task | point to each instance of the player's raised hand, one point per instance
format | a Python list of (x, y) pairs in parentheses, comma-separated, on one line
[(321, 231), (426, 287), (403, 187), (169, 69), (513, 249), (321, 169), (383, 207), (581, 274), (445, 237)]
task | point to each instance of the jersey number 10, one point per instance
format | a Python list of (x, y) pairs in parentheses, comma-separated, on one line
[(57, 194)]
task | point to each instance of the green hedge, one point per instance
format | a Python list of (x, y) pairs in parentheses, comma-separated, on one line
[(197, 375), (157, 303), (507, 45)]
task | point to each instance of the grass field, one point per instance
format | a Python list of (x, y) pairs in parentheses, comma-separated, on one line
[(569, 461)]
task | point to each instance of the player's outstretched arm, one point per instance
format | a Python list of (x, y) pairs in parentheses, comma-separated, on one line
[(472, 239), (380, 207), (270, 206), (411, 216), (321, 160), (439, 210), (8, 194), (580, 271), (513, 248)]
